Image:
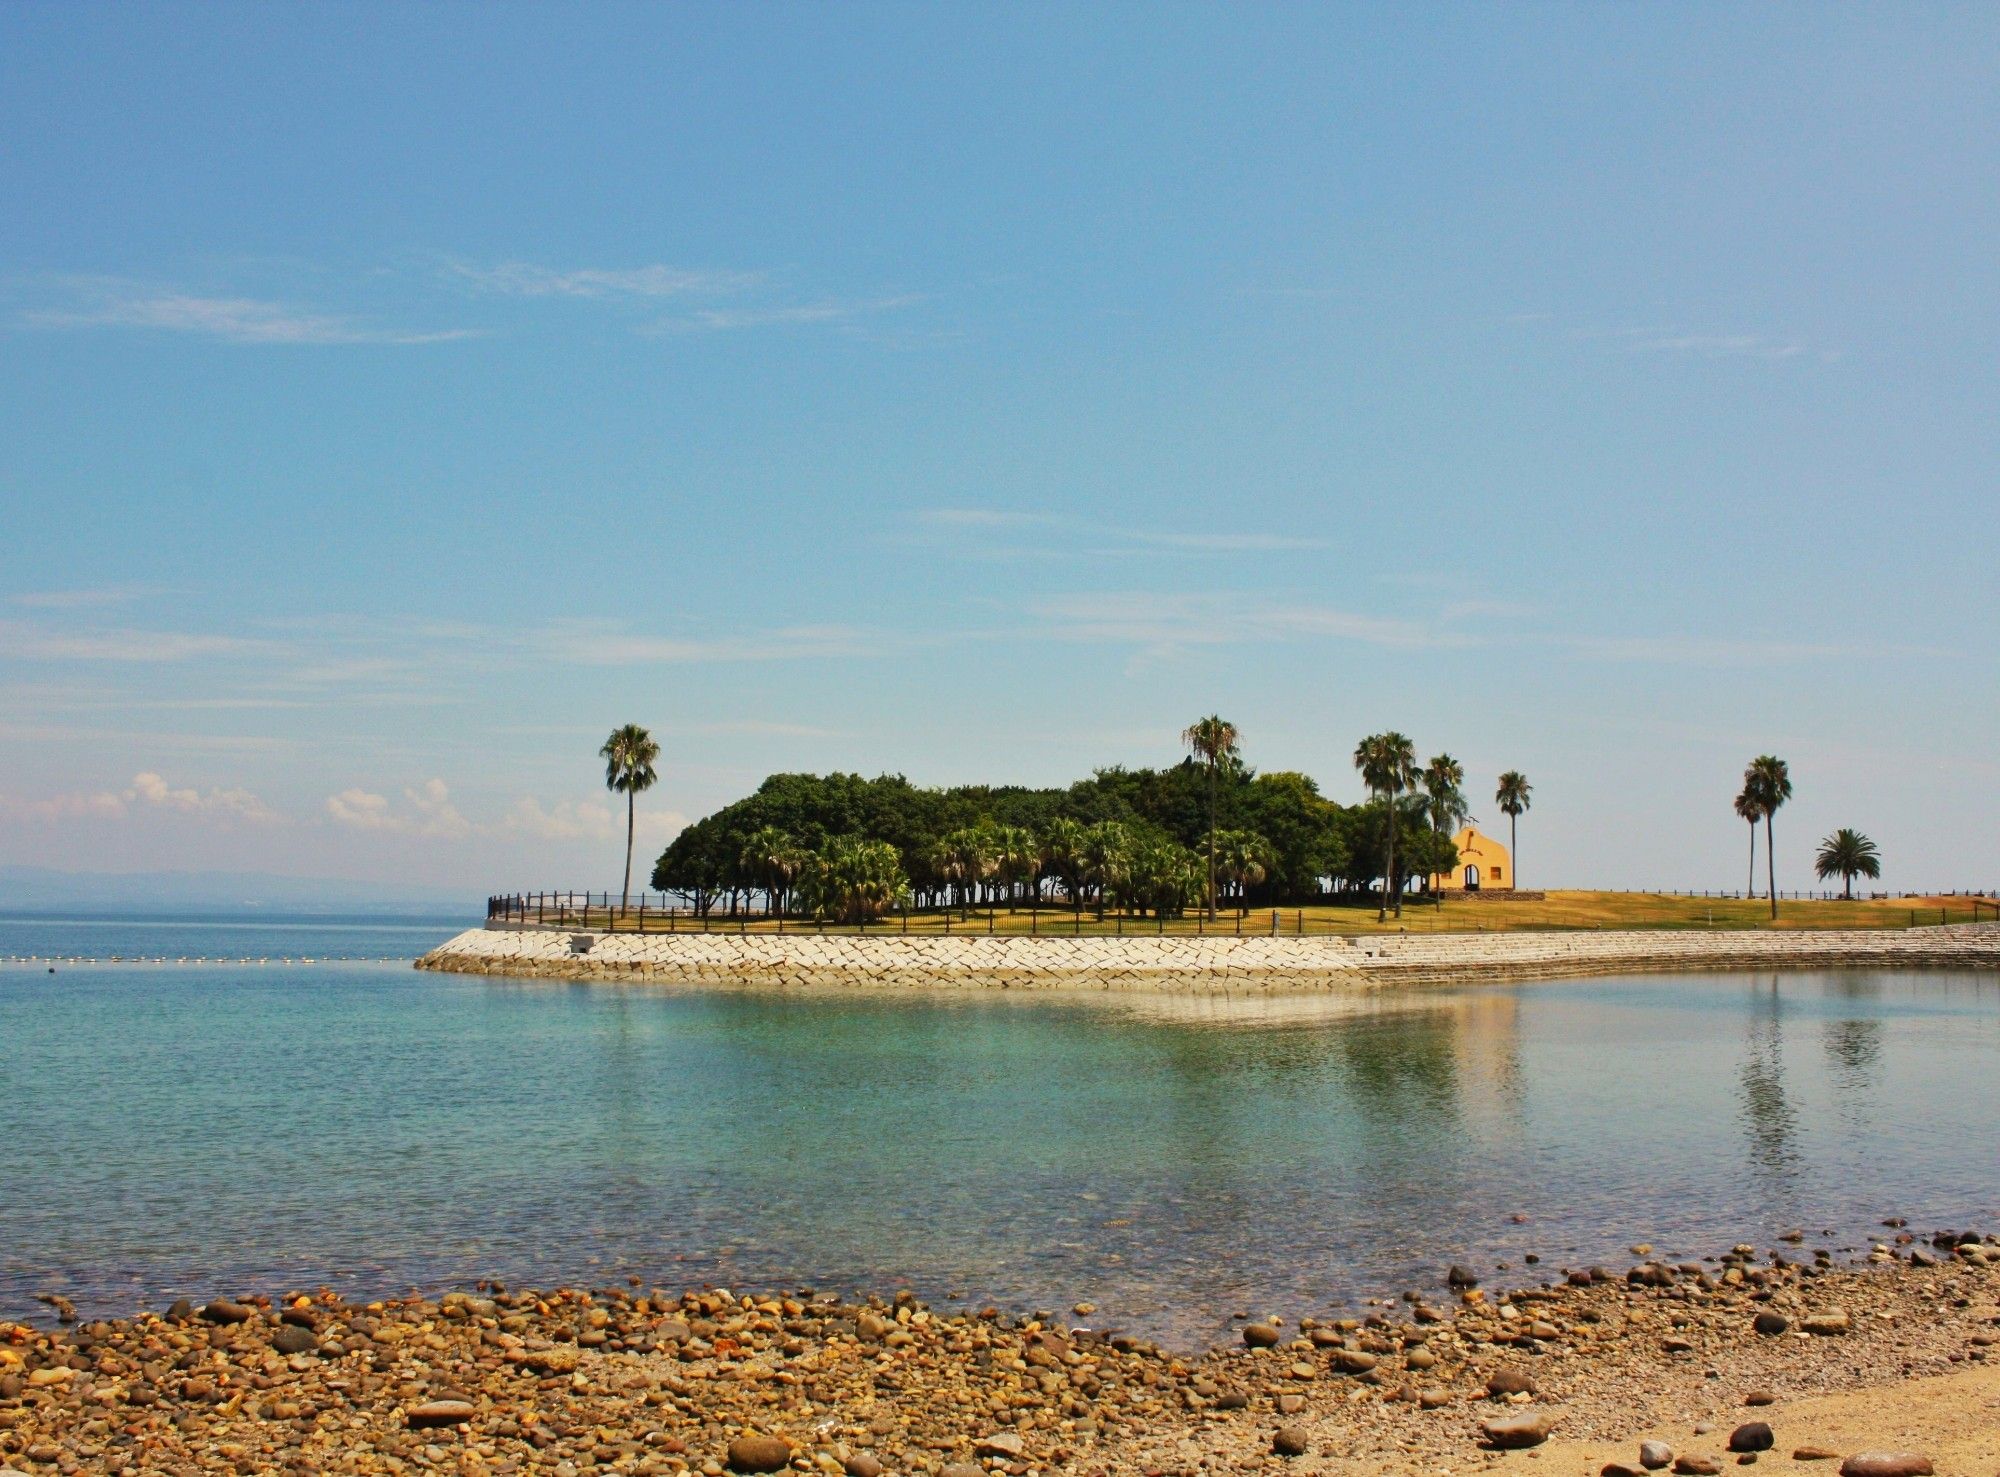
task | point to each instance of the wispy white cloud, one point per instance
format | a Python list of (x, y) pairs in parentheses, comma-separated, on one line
[(237, 320), (1711, 345), (595, 643), (753, 728), (1711, 651), (784, 315), (79, 599), (1167, 621), (526, 279), (1190, 540), (1676, 339), (21, 639), (1224, 542)]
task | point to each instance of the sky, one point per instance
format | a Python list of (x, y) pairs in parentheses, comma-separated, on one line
[(395, 399)]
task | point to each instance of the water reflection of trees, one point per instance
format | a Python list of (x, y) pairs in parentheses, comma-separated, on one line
[(1853, 1043), (1768, 1114)]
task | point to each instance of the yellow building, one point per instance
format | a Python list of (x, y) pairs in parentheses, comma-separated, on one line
[(1483, 865)]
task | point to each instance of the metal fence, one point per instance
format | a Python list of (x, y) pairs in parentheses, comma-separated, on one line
[(603, 912)]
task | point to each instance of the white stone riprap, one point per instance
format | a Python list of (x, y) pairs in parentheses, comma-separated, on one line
[(1188, 965)]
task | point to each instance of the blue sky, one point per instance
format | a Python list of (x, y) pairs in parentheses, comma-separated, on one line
[(394, 399)]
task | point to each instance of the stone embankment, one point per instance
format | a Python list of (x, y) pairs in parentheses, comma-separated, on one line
[(1191, 965)]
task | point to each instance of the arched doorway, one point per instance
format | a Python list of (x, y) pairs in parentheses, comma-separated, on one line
[(1472, 878)]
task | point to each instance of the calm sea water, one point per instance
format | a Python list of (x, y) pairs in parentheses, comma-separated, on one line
[(187, 1129)]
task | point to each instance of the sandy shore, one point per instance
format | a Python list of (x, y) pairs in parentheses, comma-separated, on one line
[(1890, 1354), (1182, 964)]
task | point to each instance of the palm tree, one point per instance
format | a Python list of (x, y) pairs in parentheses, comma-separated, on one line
[(1512, 797), (1388, 765), (628, 757), (1848, 854), (1748, 808), (1213, 741), (1107, 847), (1015, 858), (853, 879), (1769, 779), (1063, 847), (1444, 794), (965, 859), (1246, 861), (774, 862)]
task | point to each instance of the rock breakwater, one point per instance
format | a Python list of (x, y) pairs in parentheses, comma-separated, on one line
[(1190, 964)]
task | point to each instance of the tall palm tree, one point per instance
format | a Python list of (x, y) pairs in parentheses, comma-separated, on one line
[(1769, 779), (1512, 797), (1213, 741), (1748, 808), (1848, 854), (628, 757), (1388, 765), (1444, 794)]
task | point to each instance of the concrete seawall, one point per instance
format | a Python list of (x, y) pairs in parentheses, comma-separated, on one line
[(1189, 965)]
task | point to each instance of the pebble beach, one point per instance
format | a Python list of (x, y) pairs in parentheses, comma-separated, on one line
[(1778, 1355)]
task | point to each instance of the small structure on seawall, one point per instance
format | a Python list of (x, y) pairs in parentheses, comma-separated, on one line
[(1484, 865)]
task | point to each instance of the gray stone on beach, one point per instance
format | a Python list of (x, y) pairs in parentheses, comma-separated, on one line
[(292, 1339), (1654, 1455)]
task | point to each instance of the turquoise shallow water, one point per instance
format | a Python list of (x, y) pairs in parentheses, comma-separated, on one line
[(194, 1129)]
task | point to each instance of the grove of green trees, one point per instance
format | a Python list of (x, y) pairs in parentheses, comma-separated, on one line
[(841, 847)]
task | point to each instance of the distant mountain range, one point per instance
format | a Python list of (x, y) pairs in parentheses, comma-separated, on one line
[(37, 889)]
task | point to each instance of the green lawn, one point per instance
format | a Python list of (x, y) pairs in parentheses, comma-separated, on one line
[(1492, 913)]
